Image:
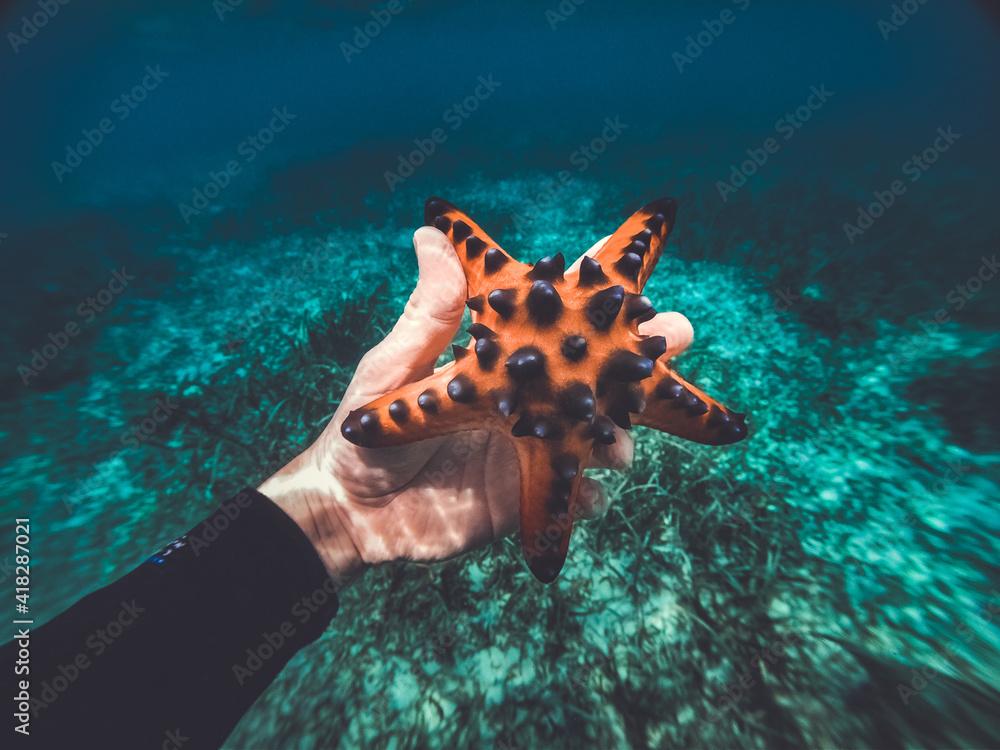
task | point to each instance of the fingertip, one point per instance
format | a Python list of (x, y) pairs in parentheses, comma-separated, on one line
[(592, 500), (674, 327), (598, 245), (438, 264), (425, 236), (590, 253), (618, 455)]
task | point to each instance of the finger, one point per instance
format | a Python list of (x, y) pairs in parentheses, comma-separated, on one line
[(590, 253), (593, 501), (674, 327), (426, 327), (618, 455)]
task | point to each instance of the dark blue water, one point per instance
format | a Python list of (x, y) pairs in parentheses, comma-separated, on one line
[(556, 86), (836, 169)]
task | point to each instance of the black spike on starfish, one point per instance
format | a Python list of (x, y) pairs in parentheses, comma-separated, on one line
[(559, 361)]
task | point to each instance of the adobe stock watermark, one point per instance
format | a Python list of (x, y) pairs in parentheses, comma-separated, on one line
[(922, 677), (452, 120), (247, 151), (746, 678), (88, 310), (901, 14), (912, 170), (34, 22), (581, 158), (143, 429), (955, 470), (785, 298), (961, 294), (786, 127), (208, 531), (540, 547), (223, 8), (463, 446), (284, 291), (591, 151), (272, 642), (562, 12), (140, 431), (712, 29), (174, 739), (957, 298), (370, 30), (121, 108), (96, 644)]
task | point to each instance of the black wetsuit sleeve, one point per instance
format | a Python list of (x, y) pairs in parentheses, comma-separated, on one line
[(175, 652)]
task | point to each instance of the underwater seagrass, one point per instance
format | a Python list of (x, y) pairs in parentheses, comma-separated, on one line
[(557, 361)]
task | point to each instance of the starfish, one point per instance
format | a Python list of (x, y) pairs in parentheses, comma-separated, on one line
[(556, 360)]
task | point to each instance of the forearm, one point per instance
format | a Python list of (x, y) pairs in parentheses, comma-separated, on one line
[(187, 641)]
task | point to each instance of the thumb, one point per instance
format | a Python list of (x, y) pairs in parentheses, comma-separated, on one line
[(674, 327), (428, 323)]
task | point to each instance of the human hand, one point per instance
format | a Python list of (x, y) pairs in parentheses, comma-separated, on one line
[(435, 499)]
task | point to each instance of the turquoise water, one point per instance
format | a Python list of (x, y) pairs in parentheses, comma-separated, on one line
[(830, 582)]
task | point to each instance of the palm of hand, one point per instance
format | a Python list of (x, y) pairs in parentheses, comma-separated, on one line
[(429, 501)]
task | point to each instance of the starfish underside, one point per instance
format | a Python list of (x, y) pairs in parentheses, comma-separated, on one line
[(556, 360)]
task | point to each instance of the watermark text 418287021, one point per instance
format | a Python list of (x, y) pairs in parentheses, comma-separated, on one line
[(22, 622)]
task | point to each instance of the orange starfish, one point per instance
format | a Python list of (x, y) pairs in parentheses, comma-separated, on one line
[(556, 361)]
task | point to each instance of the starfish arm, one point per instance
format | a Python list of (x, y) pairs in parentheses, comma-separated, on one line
[(485, 263), (630, 256), (551, 472), (676, 407), (443, 403)]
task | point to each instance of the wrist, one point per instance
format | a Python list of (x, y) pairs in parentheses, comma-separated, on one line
[(321, 524)]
